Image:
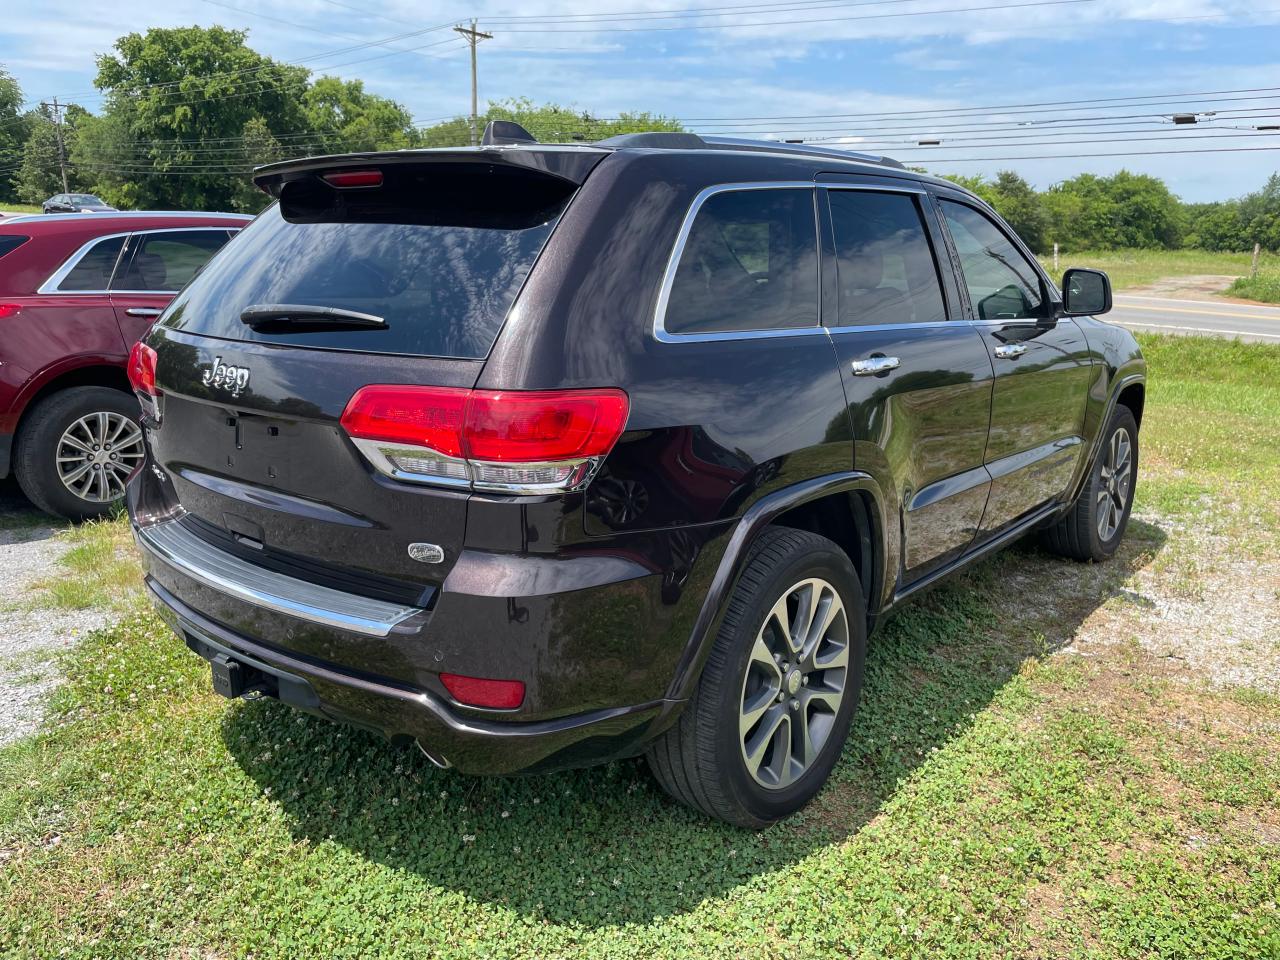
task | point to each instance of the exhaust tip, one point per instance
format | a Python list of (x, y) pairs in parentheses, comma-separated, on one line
[(438, 759)]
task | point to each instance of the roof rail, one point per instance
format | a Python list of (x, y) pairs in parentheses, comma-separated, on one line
[(803, 149), (657, 140)]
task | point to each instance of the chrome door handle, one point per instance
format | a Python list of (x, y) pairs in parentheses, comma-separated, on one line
[(874, 366), (1010, 351), (142, 312)]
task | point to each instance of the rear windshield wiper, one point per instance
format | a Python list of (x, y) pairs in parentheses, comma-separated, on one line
[(260, 315)]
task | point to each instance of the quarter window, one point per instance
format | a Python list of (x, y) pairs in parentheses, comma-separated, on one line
[(92, 271), (885, 264), (1002, 283), (164, 262), (749, 262)]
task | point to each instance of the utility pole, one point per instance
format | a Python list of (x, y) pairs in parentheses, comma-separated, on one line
[(62, 150), (473, 37)]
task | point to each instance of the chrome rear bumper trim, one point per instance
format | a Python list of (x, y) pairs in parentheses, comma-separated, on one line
[(182, 549)]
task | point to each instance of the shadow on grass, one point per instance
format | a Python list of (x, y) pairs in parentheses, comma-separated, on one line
[(604, 846)]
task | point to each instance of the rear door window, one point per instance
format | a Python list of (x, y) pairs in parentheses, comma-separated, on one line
[(92, 272), (886, 268), (749, 263), (163, 261), (441, 289)]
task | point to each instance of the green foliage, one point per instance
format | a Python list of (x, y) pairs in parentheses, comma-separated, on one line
[(547, 122), (1123, 210), (1265, 287), (13, 133)]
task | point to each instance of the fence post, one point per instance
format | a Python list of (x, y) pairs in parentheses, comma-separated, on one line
[(1055, 258), (1257, 248)]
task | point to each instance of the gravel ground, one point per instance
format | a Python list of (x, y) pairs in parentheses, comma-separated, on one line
[(30, 637), (1212, 607)]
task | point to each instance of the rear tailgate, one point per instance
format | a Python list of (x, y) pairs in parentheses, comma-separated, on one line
[(433, 245)]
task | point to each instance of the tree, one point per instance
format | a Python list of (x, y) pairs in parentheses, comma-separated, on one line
[(14, 129), (548, 123), (39, 172), (346, 118), (181, 98), (1020, 205)]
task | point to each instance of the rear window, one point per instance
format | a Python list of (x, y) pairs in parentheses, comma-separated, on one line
[(92, 272), (749, 263), (442, 289), (10, 243)]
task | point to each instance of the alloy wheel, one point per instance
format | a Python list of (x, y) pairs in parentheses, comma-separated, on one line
[(1116, 477), (97, 453), (795, 683)]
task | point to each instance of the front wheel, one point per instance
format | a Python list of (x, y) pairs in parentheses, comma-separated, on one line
[(1094, 526), (769, 717)]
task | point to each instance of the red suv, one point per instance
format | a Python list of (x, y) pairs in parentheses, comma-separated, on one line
[(76, 291)]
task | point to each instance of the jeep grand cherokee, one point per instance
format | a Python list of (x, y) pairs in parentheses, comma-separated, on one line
[(543, 455)]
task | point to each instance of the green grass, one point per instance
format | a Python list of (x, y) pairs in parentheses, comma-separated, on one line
[(995, 798), (1211, 433), (1264, 287), (1135, 268), (19, 208), (99, 570)]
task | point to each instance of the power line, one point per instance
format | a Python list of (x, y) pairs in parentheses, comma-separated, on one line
[(775, 23)]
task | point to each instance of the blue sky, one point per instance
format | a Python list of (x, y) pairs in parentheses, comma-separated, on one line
[(884, 73)]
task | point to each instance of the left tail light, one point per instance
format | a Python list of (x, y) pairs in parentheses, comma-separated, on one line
[(142, 377), (542, 441)]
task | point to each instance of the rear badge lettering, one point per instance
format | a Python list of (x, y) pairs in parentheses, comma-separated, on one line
[(226, 377)]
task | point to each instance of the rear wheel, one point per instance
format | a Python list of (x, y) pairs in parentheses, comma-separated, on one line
[(1094, 526), (769, 717), (76, 449)]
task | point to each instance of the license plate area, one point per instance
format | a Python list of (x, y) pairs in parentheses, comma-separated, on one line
[(259, 449)]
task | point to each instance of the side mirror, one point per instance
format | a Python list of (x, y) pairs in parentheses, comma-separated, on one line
[(1085, 293)]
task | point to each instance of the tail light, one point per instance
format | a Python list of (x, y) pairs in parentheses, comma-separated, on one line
[(541, 441), (9, 309), (347, 179), (142, 377)]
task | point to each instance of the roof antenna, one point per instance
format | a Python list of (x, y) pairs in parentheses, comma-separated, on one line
[(499, 133)]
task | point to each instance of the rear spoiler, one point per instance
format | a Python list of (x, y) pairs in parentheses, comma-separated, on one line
[(568, 163)]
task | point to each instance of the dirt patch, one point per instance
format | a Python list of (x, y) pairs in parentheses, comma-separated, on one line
[(1201, 286)]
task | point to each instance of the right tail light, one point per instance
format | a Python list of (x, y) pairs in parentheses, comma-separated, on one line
[(508, 441)]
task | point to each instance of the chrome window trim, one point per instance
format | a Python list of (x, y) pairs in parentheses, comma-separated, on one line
[(50, 286), (673, 262)]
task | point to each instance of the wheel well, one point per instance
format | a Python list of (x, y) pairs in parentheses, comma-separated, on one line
[(1133, 397), (100, 375), (844, 518)]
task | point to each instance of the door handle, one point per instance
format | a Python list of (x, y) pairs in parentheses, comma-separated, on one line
[(142, 311), (1010, 351), (874, 366)]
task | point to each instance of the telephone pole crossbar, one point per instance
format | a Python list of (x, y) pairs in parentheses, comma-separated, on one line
[(473, 37)]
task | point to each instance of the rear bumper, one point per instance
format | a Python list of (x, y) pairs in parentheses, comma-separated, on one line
[(405, 713)]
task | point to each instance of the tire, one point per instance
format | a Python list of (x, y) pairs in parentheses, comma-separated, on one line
[(1084, 532), (702, 760), (42, 438)]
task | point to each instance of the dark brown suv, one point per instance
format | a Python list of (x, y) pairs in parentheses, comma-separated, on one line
[(539, 455)]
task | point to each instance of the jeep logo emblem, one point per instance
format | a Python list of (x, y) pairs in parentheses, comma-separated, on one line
[(226, 377)]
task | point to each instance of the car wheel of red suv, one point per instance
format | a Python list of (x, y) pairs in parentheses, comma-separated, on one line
[(75, 450)]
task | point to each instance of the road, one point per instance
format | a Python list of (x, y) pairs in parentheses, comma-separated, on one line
[(1260, 324)]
